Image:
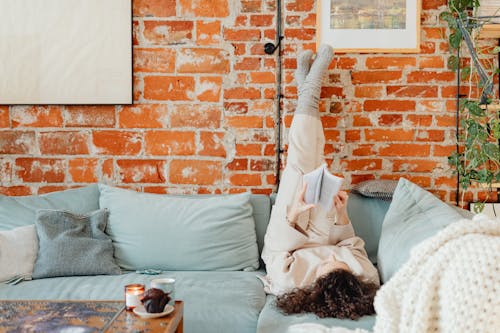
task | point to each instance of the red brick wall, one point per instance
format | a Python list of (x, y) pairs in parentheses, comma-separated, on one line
[(202, 120)]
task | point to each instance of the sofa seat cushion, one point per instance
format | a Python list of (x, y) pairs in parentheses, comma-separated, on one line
[(213, 301), (271, 320)]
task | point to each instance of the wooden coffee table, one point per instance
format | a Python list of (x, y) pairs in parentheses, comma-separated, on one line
[(87, 316)]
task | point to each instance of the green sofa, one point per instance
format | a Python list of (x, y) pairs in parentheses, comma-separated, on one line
[(215, 300)]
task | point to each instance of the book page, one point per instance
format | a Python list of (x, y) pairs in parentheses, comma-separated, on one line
[(313, 180), (330, 186)]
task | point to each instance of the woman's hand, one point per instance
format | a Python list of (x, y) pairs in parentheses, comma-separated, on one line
[(340, 203), (298, 206)]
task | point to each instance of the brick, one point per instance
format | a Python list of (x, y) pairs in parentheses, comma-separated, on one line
[(116, 142), (251, 6), (358, 178), (208, 89), (64, 143), (404, 149), (430, 77), (446, 121), (4, 116), (362, 164), (389, 105), (419, 120), (368, 91), (300, 34), (236, 107), (148, 60), (350, 136), (204, 8), (415, 165), (245, 179), (36, 116), (242, 93), (141, 171), (361, 121), (262, 165), (363, 150), (83, 170), (389, 135), (208, 33), (138, 88), (169, 143), (143, 116), (261, 20), (300, 5), (35, 170), (390, 62), (247, 35), (427, 47), (199, 172), (250, 149), (431, 62), (199, 116), (212, 144), (434, 32), (271, 179), (156, 8), (238, 164), (168, 32), (262, 77), (247, 64), (390, 119), (433, 4), (108, 170), (89, 116), (244, 121), (136, 32), (5, 171), (169, 88), (17, 142), (202, 60), (413, 91), (50, 189), (377, 77), (15, 190), (430, 136)]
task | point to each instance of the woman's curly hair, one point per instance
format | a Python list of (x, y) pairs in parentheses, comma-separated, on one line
[(338, 294)]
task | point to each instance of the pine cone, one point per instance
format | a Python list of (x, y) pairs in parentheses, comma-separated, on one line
[(154, 300)]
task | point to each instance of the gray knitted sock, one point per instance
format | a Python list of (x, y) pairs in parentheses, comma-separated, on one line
[(310, 89), (304, 62)]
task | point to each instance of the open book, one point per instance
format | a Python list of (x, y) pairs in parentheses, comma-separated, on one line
[(322, 187)]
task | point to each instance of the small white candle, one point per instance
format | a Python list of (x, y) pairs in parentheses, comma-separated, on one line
[(133, 293)]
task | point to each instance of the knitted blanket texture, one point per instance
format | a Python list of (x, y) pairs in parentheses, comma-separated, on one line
[(451, 283)]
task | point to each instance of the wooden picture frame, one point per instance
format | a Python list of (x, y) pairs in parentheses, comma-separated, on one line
[(369, 26), (66, 52)]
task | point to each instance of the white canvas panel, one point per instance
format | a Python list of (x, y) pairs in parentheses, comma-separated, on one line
[(65, 52)]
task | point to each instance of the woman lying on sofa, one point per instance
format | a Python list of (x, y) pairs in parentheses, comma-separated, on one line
[(314, 261)]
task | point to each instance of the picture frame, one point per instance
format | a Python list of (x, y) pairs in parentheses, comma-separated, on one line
[(66, 52), (369, 26)]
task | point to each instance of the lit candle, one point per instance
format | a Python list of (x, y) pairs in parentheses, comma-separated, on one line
[(133, 293)]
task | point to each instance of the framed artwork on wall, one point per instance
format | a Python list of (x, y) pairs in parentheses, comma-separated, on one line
[(66, 52), (369, 26)]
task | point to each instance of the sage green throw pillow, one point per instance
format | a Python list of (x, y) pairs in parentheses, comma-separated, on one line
[(72, 244), (171, 232), (20, 211), (413, 216)]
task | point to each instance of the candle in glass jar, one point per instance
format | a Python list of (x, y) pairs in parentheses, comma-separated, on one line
[(133, 293)]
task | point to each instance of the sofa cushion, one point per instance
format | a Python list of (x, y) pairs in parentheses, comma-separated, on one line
[(214, 302), (413, 216), (18, 250), (181, 232), (366, 215), (73, 244), (19, 211), (271, 320)]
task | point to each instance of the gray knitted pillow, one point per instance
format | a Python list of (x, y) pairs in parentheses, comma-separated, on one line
[(380, 189), (71, 244)]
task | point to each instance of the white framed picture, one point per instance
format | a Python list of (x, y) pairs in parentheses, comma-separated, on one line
[(369, 26), (66, 52)]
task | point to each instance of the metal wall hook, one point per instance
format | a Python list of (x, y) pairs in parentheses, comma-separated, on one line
[(269, 48)]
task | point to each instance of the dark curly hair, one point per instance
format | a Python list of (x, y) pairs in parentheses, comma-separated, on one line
[(338, 294)]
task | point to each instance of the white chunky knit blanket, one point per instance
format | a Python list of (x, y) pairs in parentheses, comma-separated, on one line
[(451, 283)]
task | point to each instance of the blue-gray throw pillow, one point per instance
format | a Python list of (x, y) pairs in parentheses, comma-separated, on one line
[(170, 232), (72, 244), (413, 216), (20, 211)]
